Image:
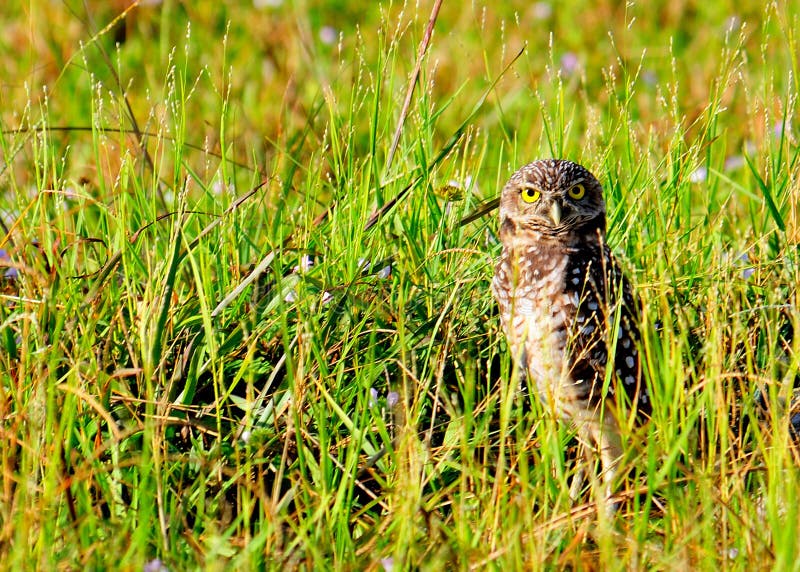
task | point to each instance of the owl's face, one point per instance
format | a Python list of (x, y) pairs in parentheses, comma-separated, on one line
[(552, 196)]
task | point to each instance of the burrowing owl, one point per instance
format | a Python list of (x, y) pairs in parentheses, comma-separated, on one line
[(567, 309)]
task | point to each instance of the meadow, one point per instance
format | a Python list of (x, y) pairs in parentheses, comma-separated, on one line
[(245, 263)]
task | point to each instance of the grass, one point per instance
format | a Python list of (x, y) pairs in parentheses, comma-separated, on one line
[(240, 331)]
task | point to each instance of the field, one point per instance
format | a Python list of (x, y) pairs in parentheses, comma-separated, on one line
[(245, 263)]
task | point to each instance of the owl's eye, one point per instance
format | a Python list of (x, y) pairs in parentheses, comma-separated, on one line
[(577, 192), (530, 195)]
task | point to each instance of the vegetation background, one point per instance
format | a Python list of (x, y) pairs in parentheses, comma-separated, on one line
[(246, 319)]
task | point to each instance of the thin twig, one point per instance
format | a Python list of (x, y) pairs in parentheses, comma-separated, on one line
[(479, 211), (233, 294), (423, 48)]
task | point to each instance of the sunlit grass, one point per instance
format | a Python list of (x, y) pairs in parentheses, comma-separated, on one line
[(238, 331)]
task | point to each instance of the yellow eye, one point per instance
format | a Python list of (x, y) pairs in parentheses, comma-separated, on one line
[(577, 192), (530, 195)]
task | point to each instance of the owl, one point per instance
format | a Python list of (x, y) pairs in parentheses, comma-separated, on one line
[(569, 313)]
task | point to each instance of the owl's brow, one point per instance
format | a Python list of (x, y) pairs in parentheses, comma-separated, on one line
[(528, 185)]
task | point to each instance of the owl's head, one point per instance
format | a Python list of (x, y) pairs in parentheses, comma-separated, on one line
[(552, 196)]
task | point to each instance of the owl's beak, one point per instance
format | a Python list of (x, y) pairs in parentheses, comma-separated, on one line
[(555, 213)]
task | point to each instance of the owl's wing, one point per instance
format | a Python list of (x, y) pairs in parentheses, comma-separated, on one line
[(606, 318), (624, 313)]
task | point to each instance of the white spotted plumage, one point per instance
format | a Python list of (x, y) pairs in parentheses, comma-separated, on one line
[(563, 300)]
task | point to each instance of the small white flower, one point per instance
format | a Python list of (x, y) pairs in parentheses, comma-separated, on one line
[(155, 565), (306, 262), (328, 35), (217, 187), (541, 10), (749, 271), (569, 63), (699, 175), (385, 272), (734, 162), (649, 77)]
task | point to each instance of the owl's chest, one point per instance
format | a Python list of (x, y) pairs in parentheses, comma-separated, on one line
[(538, 302)]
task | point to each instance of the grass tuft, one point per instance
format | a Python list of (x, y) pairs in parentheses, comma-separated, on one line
[(245, 317)]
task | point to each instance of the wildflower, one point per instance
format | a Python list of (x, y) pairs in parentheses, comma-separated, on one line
[(328, 35), (305, 264), (10, 273), (699, 175), (734, 162), (155, 565), (541, 10), (569, 63), (749, 270)]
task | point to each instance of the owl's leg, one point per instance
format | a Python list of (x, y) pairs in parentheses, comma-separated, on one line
[(579, 478), (605, 436)]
